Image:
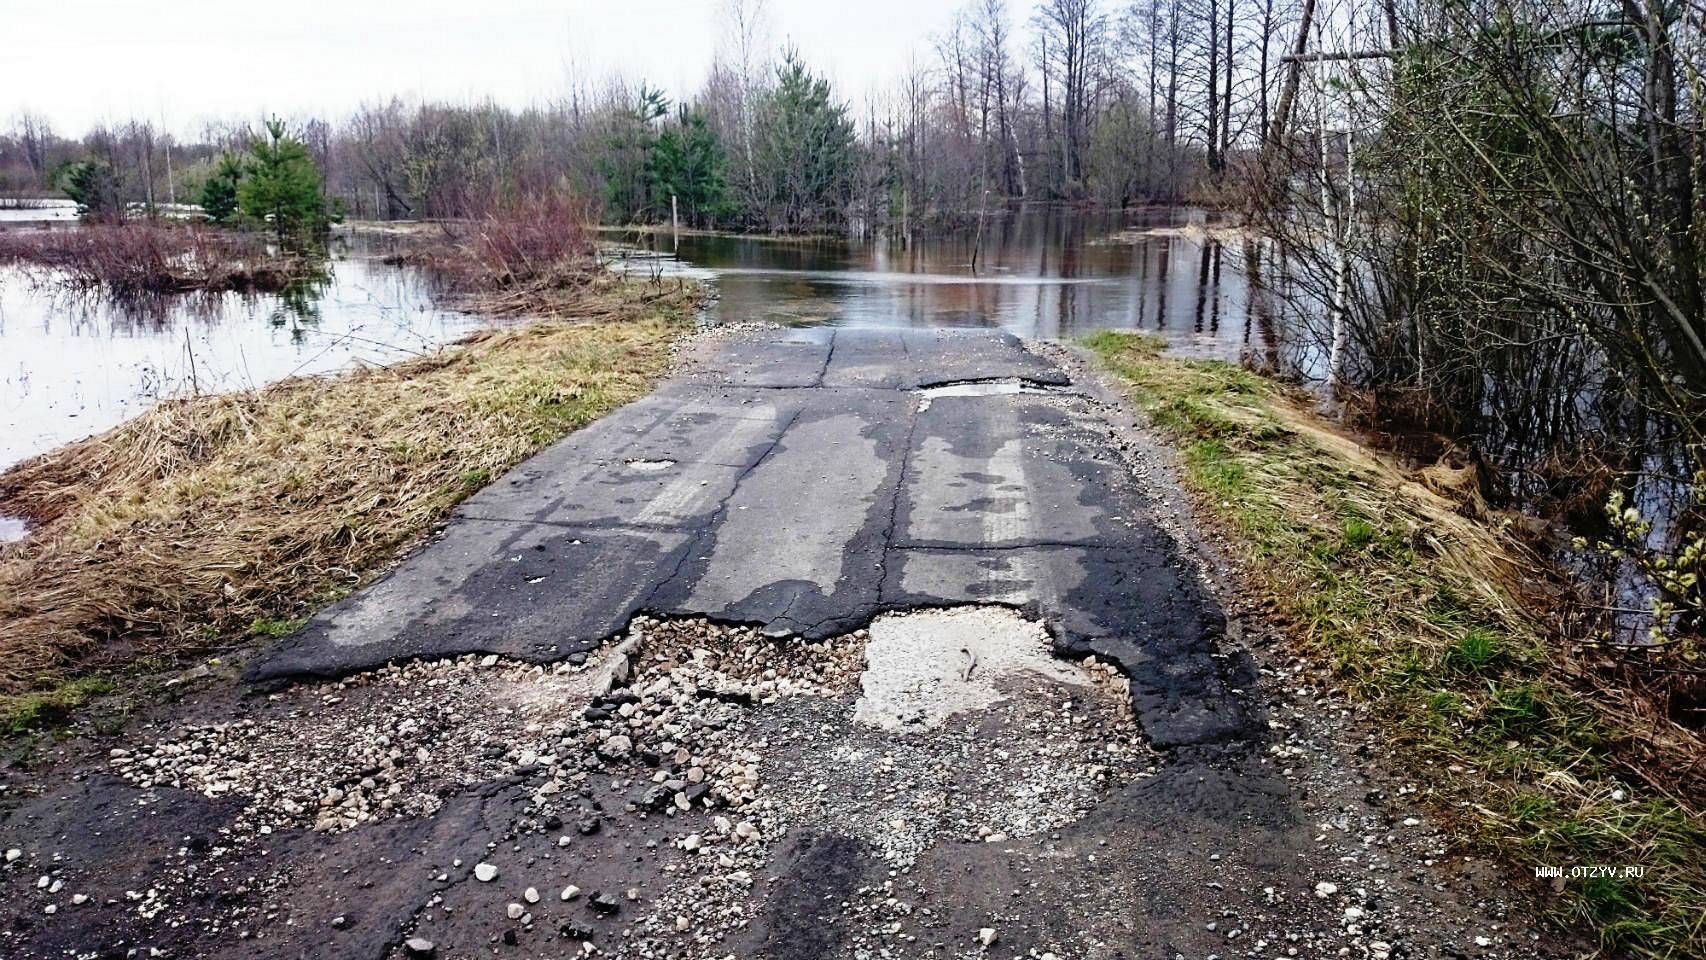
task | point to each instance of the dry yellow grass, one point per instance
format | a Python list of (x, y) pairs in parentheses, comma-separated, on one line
[(190, 524)]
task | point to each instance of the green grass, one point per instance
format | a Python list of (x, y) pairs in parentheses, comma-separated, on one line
[(1415, 609), (273, 628), (1478, 650), (57, 699)]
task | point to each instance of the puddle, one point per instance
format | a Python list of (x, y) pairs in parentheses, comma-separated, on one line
[(922, 668), (12, 529), (650, 466)]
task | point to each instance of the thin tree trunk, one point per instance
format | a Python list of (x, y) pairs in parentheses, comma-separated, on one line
[(1267, 176)]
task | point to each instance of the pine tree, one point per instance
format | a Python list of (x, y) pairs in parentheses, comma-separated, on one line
[(627, 156), (94, 186), (282, 188), (687, 163), (806, 149), (219, 193)]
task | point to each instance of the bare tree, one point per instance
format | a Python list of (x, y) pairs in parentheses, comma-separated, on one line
[(747, 46), (34, 132), (1075, 36)]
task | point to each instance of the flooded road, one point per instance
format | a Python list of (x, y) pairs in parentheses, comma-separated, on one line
[(1045, 272), (75, 364)]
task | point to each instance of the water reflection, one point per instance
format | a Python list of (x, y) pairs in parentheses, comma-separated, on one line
[(72, 365), (1047, 272), (298, 307)]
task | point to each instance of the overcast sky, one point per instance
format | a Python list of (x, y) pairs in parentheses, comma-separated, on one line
[(82, 61)]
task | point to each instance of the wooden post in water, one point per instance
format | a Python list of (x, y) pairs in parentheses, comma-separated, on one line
[(977, 241), (674, 220), (906, 218)]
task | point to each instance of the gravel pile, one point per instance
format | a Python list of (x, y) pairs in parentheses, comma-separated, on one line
[(396, 741)]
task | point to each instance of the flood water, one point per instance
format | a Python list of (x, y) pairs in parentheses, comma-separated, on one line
[(1039, 271), (13, 210), (75, 364)]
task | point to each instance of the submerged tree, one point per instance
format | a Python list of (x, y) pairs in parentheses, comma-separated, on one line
[(281, 188)]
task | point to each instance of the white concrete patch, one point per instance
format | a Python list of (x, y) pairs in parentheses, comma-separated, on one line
[(650, 466), (922, 668), (978, 388)]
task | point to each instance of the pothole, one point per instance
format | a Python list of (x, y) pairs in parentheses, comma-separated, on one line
[(716, 746), (922, 668)]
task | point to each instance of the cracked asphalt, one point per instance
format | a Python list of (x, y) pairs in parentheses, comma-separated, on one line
[(804, 481), (843, 643)]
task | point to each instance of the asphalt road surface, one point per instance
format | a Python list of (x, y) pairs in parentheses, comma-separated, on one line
[(805, 481)]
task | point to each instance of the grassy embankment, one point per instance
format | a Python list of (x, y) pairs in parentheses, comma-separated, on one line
[(211, 520), (1424, 616)]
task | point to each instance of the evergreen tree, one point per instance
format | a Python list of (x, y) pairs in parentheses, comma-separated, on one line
[(282, 188), (805, 154), (627, 156), (219, 193), (687, 163), (94, 186)]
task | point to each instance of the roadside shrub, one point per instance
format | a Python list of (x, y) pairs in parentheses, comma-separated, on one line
[(531, 239), (515, 252)]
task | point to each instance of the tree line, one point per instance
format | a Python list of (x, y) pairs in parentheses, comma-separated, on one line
[(273, 184), (1070, 100)]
